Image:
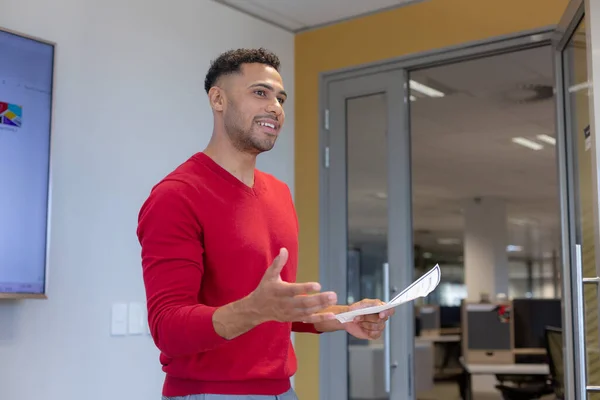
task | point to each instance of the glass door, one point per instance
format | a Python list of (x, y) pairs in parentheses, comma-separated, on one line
[(367, 233), (579, 205)]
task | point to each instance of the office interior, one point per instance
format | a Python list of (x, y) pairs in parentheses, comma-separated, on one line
[(516, 326), (468, 155)]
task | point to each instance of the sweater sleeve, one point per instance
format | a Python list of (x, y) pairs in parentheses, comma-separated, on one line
[(172, 263), (304, 327)]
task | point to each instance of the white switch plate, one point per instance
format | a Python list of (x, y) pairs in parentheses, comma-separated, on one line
[(147, 323), (136, 319), (118, 326)]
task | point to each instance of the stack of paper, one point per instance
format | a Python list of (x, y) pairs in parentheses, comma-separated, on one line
[(419, 288)]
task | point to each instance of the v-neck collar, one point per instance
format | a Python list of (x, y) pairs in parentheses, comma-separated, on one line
[(254, 190)]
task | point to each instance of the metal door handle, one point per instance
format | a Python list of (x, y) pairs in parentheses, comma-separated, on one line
[(580, 322), (386, 337)]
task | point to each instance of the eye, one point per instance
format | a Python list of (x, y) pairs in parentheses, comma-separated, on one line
[(281, 100), (260, 92)]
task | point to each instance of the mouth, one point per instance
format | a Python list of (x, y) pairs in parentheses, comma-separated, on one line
[(269, 126)]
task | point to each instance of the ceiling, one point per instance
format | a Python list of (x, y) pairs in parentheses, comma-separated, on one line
[(300, 15), (462, 148)]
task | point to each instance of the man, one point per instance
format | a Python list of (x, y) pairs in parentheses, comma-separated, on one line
[(220, 252)]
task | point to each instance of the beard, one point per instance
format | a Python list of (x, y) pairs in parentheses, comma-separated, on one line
[(247, 139)]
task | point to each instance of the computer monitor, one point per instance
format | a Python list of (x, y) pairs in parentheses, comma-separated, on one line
[(450, 316), (530, 317), (430, 319)]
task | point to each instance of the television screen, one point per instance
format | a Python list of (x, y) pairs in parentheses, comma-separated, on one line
[(26, 79)]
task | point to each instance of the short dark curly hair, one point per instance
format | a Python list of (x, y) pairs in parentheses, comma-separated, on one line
[(231, 61)]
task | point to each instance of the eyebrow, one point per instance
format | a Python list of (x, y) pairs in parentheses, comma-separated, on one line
[(269, 87)]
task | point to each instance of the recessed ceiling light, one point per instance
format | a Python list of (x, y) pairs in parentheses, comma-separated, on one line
[(580, 86), (426, 90), (548, 139), (517, 221), (511, 248), (527, 143), (381, 195), (448, 241), (413, 98)]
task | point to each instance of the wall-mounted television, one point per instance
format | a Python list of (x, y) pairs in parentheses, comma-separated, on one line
[(26, 99)]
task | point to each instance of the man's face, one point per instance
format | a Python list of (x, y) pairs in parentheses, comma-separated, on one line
[(253, 107)]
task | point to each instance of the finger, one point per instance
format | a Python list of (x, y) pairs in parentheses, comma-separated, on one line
[(319, 305), (374, 318), (324, 299), (370, 303), (279, 262), (356, 306), (316, 318), (366, 303), (387, 313), (297, 289), (304, 312), (374, 335), (372, 326)]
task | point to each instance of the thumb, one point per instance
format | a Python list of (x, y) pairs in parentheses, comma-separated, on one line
[(366, 303), (274, 269)]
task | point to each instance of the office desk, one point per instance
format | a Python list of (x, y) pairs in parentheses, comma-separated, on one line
[(438, 338), (500, 369)]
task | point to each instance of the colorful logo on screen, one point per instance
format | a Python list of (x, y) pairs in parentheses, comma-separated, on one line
[(10, 114)]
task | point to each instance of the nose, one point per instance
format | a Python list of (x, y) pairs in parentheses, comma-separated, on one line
[(275, 108)]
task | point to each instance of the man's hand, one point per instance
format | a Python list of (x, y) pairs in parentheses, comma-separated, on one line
[(276, 300), (369, 326)]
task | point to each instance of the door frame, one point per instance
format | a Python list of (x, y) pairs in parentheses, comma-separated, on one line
[(572, 273), (329, 380), (391, 84)]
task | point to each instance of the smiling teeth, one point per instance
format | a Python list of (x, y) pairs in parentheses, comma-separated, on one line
[(267, 125)]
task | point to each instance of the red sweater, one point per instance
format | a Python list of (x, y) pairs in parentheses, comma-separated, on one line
[(207, 240)]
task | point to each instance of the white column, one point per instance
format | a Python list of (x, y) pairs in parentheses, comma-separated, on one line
[(485, 243)]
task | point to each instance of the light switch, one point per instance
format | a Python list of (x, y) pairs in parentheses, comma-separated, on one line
[(118, 325), (147, 324), (137, 325)]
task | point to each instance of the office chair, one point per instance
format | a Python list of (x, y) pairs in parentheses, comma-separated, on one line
[(532, 387), (554, 347), (529, 391)]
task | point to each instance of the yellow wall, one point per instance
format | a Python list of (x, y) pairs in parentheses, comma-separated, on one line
[(428, 25)]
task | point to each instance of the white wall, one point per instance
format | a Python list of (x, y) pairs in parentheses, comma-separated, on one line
[(129, 107)]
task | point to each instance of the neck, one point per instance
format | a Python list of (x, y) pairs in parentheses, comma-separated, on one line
[(237, 163)]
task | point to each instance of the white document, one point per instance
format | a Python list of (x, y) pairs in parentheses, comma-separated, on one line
[(419, 288)]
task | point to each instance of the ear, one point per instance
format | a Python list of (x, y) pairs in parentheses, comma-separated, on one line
[(216, 98)]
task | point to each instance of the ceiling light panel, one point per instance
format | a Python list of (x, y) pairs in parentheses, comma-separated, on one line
[(449, 241), (530, 144), (424, 89), (547, 139)]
